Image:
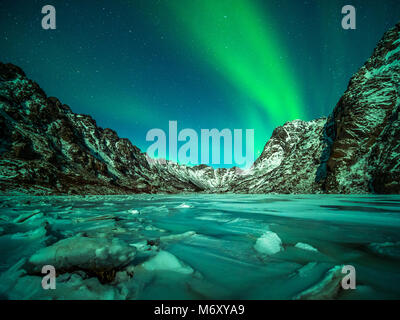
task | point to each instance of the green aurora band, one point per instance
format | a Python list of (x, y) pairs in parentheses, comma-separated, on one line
[(240, 44)]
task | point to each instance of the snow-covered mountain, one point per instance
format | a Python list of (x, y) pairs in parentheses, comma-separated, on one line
[(355, 150), (46, 148), (289, 163), (365, 154)]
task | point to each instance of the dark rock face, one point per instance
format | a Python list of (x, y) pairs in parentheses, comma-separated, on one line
[(365, 154), (355, 150), (46, 148)]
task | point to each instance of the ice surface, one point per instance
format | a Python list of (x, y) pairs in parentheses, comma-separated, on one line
[(220, 247)]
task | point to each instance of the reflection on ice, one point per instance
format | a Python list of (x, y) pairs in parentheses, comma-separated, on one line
[(200, 246)]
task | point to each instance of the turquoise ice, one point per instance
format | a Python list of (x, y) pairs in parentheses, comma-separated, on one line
[(200, 246)]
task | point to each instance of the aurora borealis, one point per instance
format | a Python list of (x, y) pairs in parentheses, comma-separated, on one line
[(247, 53), (238, 64)]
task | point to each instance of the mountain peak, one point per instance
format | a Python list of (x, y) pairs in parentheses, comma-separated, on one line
[(47, 149)]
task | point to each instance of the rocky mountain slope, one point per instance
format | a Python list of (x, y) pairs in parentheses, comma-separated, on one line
[(355, 150), (46, 148), (365, 154), (289, 162)]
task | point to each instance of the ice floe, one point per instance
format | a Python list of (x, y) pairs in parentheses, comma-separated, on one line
[(328, 288), (269, 243), (94, 254), (184, 206), (388, 249), (165, 261), (180, 236), (305, 246)]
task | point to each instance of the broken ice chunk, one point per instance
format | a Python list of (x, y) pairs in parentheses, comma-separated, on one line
[(304, 271), (328, 288), (34, 234), (95, 254), (269, 243), (184, 206), (166, 261), (305, 246), (179, 236), (386, 249), (26, 216)]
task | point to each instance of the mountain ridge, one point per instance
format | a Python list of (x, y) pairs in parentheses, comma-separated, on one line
[(47, 149)]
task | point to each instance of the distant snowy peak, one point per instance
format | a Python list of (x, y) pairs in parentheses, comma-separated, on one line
[(289, 162), (284, 141), (45, 148)]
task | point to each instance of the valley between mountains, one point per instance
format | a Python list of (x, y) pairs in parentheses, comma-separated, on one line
[(47, 149)]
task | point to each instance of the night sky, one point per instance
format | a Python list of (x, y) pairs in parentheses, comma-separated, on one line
[(238, 64)]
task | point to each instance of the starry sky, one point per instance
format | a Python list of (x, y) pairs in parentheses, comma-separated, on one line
[(134, 65)]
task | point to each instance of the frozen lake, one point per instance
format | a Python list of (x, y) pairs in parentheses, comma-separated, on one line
[(200, 246)]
